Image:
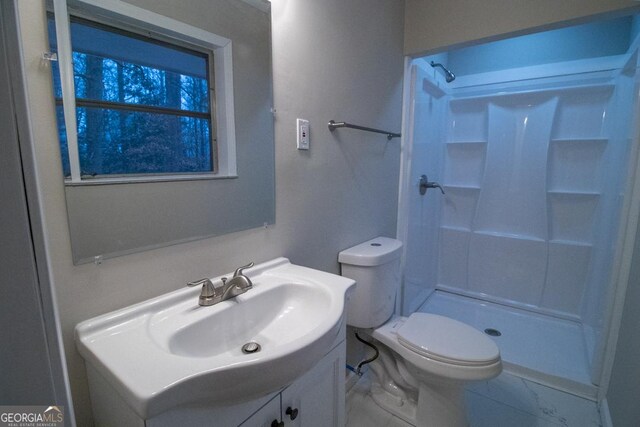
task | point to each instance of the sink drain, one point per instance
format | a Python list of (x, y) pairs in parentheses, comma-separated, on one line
[(251, 347), (492, 332)]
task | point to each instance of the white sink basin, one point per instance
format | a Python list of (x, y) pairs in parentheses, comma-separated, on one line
[(169, 351), (272, 316)]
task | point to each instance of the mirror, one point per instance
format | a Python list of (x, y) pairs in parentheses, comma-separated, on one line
[(108, 219)]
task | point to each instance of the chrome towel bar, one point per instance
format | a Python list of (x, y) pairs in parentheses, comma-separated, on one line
[(334, 125)]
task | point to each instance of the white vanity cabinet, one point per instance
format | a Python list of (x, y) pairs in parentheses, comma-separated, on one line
[(319, 395), (316, 399), (268, 415)]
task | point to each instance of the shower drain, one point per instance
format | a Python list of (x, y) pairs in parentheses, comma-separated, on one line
[(492, 332)]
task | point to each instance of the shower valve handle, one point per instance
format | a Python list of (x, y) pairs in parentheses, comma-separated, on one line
[(424, 184)]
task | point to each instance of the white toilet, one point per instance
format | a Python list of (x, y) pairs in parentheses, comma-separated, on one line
[(425, 359)]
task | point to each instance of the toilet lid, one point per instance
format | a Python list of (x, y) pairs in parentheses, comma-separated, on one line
[(447, 340)]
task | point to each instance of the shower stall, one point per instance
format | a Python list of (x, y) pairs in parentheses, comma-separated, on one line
[(537, 166)]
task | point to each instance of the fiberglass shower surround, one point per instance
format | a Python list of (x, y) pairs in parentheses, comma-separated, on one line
[(534, 173), (526, 193)]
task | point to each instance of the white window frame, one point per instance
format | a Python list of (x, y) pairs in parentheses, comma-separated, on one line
[(119, 11)]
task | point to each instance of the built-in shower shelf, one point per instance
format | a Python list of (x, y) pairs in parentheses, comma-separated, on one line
[(464, 161), (571, 193), (508, 235), (567, 242), (493, 233), (466, 142), (575, 165), (455, 228), (571, 243), (580, 140)]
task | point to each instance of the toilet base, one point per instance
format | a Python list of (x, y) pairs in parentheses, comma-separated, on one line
[(402, 408), (438, 405)]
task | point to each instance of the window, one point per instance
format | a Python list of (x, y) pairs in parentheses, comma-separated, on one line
[(143, 106)]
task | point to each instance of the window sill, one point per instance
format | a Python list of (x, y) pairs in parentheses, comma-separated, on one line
[(145, 179)]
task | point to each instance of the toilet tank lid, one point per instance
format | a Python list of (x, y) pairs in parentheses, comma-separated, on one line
[(378, 251)]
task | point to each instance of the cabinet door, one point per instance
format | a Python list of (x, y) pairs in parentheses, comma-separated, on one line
[(265, 416), (318, 396), (216, 416)]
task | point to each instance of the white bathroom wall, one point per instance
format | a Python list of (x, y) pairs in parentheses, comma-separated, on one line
[(436, 25), (341, 192), (601, 38)]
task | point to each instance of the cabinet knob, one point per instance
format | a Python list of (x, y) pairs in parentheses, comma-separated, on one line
[(292, 412), (275, 423)]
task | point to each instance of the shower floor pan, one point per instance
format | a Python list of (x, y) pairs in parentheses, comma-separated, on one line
[(541, 348)]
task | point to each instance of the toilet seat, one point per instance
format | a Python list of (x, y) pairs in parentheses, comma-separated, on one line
[(447, 340)]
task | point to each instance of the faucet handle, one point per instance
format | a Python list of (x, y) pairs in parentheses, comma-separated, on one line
[(199, 282), (208, 289), (210, 294), (239, 270), (424, 184)]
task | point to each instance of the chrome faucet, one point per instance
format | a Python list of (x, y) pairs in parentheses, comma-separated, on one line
[(238, 284), (212, 294)]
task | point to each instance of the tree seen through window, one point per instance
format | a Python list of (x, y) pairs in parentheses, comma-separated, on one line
[(142, 107)]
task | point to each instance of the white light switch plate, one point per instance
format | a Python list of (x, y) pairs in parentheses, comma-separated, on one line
[(302, 130)]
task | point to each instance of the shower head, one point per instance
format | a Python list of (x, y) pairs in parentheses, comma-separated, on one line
[(448, 75)]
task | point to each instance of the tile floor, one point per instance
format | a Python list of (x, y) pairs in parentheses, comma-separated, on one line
[(506, 401)]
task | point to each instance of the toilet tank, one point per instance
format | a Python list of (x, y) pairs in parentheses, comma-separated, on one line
[(375, 266)]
